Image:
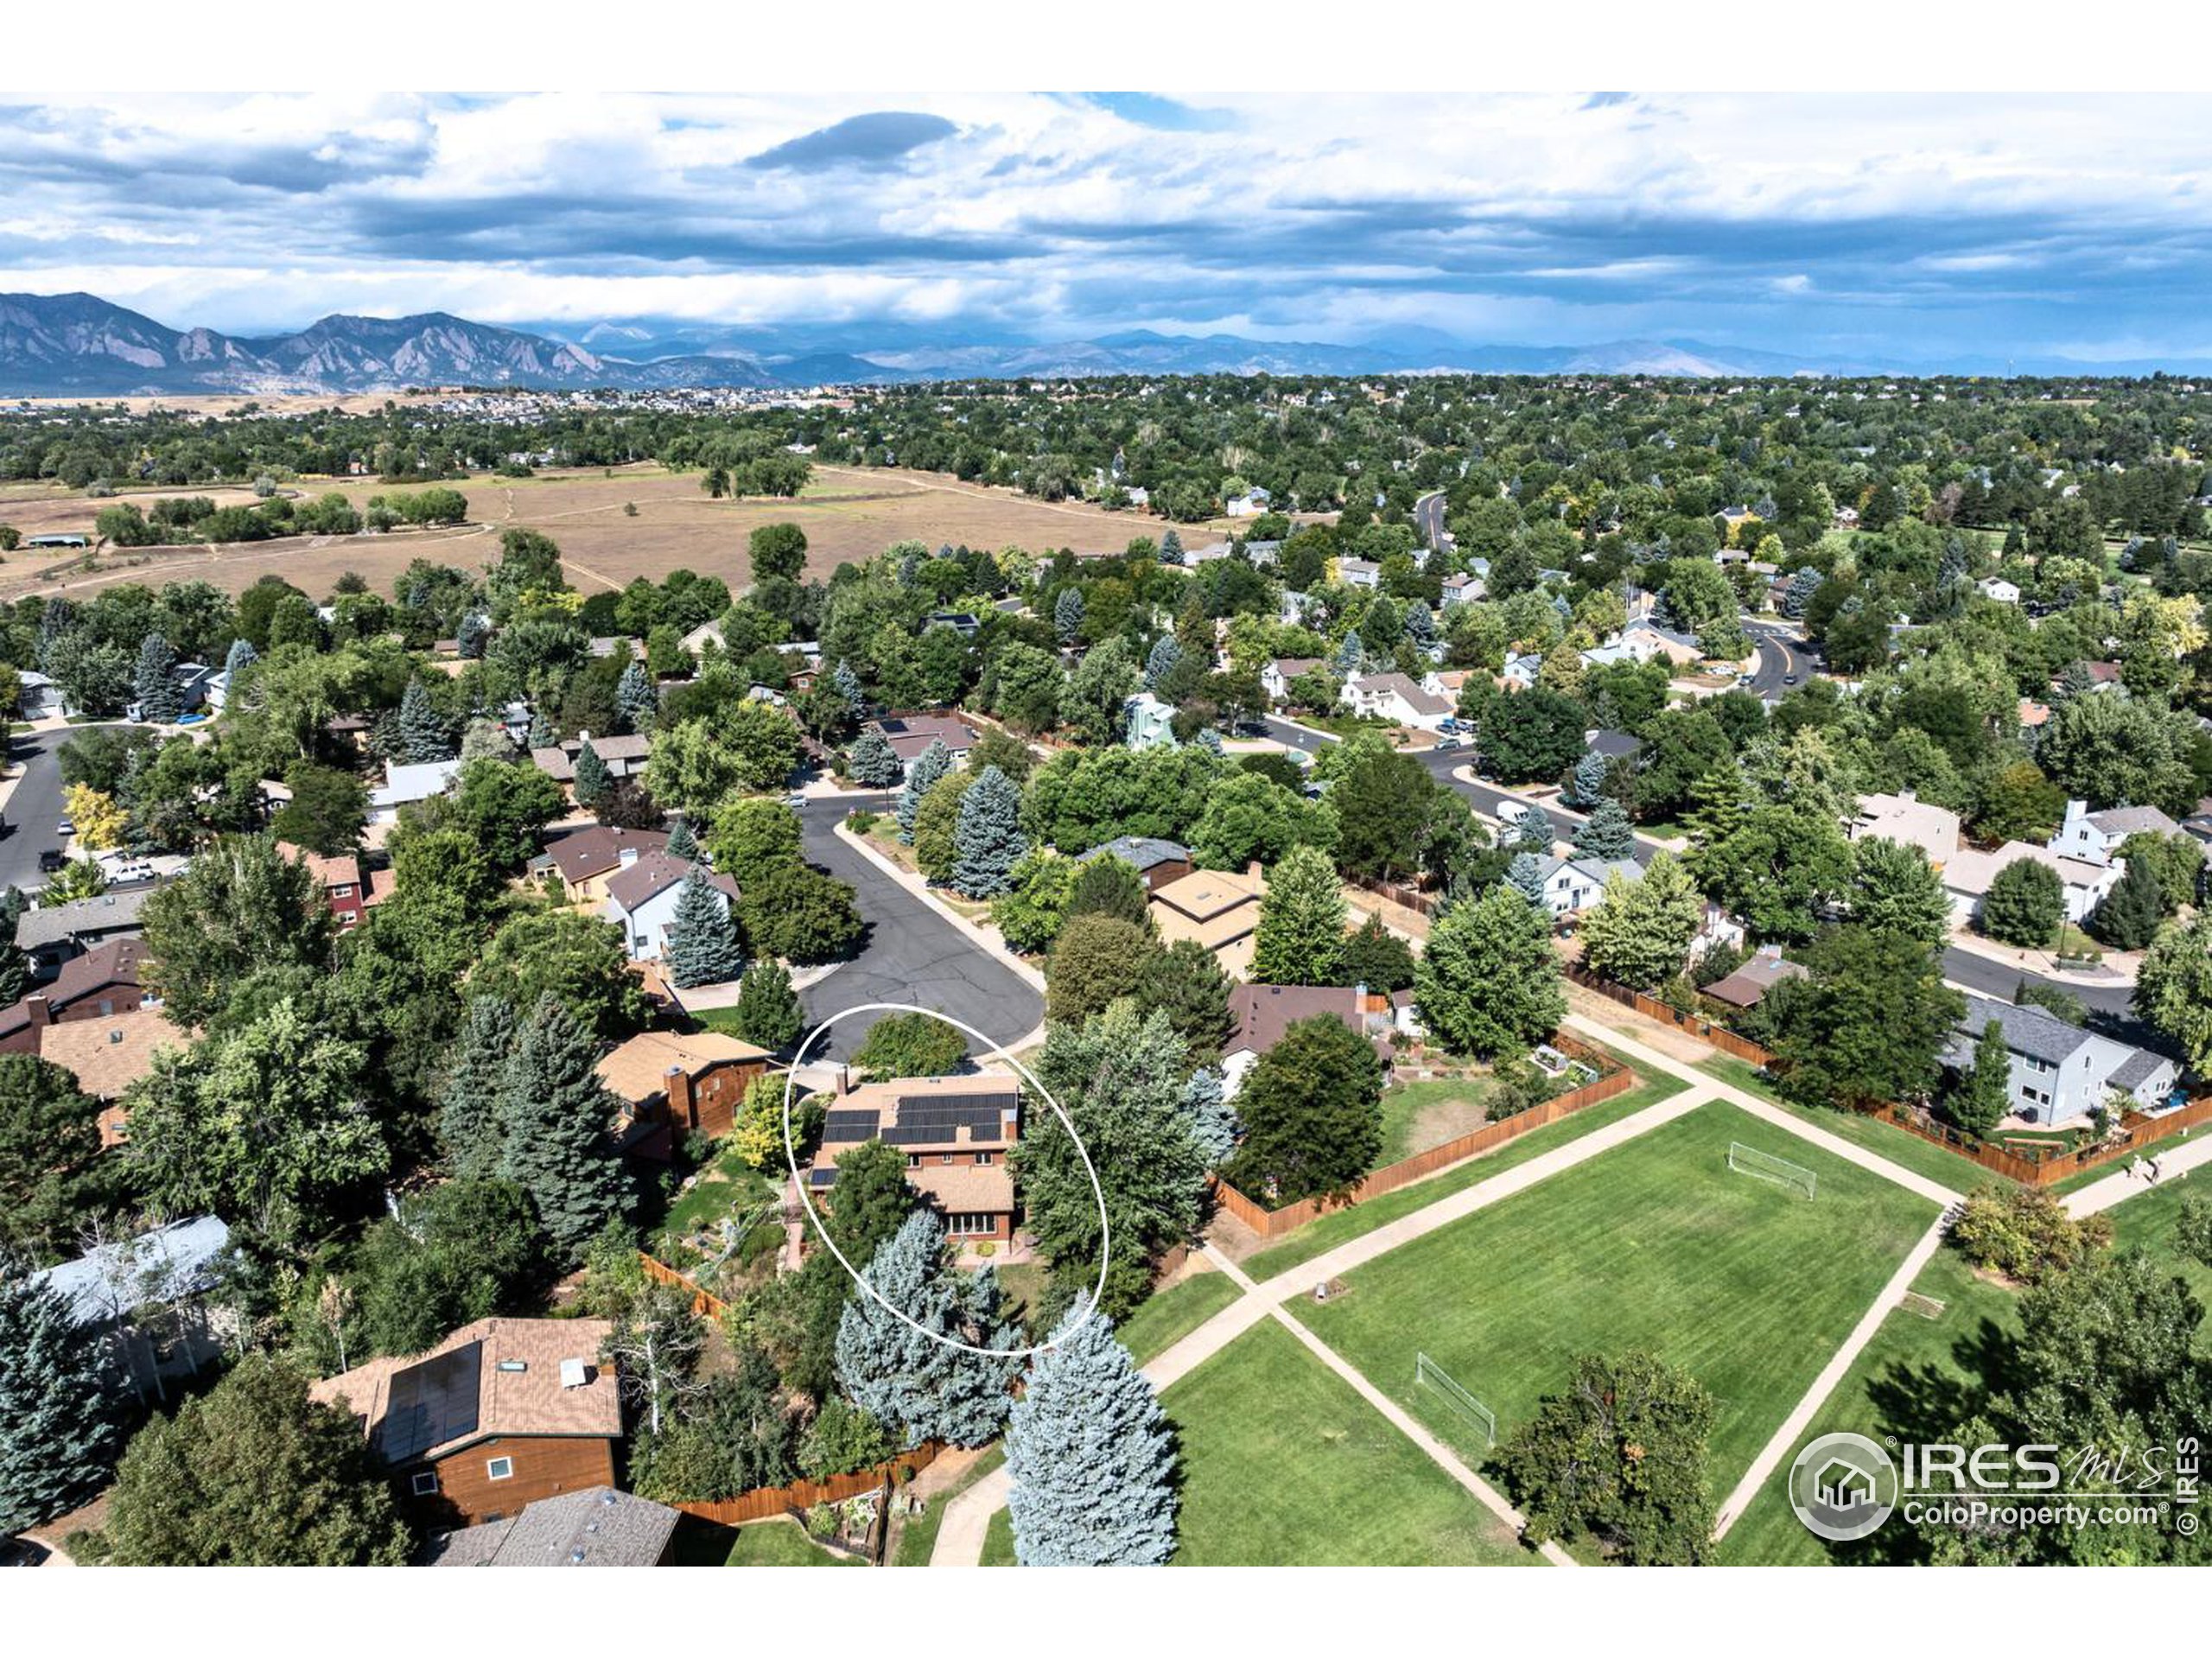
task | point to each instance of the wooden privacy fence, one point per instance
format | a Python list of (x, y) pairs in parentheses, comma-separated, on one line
[(703, 1302), (2137, 1130), (764, 1502), (1422, 904), (1274, 1223)]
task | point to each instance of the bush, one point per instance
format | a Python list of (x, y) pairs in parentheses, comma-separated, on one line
[(2024, 904), (2025, 1233)]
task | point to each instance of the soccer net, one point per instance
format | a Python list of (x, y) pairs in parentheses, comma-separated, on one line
[(1428, 1373), (1750, 1161)]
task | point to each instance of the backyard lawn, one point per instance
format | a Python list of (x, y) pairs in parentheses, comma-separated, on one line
[(2147, 1223), (1284, 1465), (1916, 1379), (1656, 1244), (1418, 1116), (780, 1543), (1325, 1233), (726, 1188)]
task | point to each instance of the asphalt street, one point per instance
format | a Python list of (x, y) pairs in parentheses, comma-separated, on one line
[(913, 955), (1428, 518), (1782, 656), (34, 808)]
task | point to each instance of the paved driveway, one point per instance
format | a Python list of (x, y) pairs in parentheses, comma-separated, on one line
[(913, 955)]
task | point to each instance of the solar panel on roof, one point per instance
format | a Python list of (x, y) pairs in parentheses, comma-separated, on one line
[(850, 1126), (433, 1402)]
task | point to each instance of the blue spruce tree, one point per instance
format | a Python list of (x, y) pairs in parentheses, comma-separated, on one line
[(1421, 623), (1607, 834), (473, 633), (154, 682), (871, 760), (1533, 833), (242, 656), (1167, 651), (1525, 876), (557, 1114), (1171, 547), (58, 1438), (702, 948), (1589, 779), (681, 843), (470, 1126), (928, 1389), (1067, 615), (1214, 1121), (988, 841), (594, 782), (929, 766), (542, 734), (635, 698), (1092, 1459), (847, 685), (422, 729), (1351, 653)]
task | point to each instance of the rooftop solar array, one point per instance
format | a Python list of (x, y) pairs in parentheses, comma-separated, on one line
[(433, 1402), (924, 1121)]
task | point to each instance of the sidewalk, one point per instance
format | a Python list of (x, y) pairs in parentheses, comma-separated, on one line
[(2117, 971), (2124, 1184)]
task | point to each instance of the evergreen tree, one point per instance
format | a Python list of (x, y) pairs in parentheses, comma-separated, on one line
[(1525, 876), (57, 1439), (871, 760), (1488, 982), (154, 683), (1533, 833), (1170, 547), (2132, 913), (768, 1014), (1213, 1119), (1301, 933), (1109, 887), (1984, 1094), (1606, 833), (542, 734), (923, 775), (471, 1125), (1166, 652), (241, 656), (1351, 653), (1067, 615), (635, 699), (681, 843), (1588, 784), (1092, 1458), (923, 1384), (703, 947), (847, 685), (594, 782), (557, 1113), (15, 969), (1378, 958), (422, 729), (472, 636), (988, 841)]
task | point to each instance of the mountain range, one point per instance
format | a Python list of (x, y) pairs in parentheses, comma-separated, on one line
[(61, 345)]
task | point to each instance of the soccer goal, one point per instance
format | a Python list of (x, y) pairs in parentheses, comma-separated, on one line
[(1428, 1373), (1750, 1161)]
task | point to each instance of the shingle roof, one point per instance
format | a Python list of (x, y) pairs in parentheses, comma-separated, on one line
[(111, 967), (2134, 821), (107, 1055), (656, 873), (594, 851), (1144, 852), (56, 923), (596, 1527), (622, 755), (2028, 1030), (910, 736), (171, 1261), (639, 1069), (496, 1377), (1262, 1014)]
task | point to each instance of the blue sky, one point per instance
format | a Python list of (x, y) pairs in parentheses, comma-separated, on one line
[(1911, 228)]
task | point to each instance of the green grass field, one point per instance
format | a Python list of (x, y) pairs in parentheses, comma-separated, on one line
[(1900, 1147), (1917, 1373), (1325, 1233), (2147, 1221), (780, 1543), (1284, 1465), (1655, 1245), (1172, 1314)]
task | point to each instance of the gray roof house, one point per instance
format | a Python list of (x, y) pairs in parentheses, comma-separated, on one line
[(2059, 1072), (2096, 837), (1572, 884), (596, 1527), (1158, 861), (161, 1277), (51, 934)]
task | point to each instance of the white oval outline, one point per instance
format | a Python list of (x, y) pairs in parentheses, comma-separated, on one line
[(790, 1154)]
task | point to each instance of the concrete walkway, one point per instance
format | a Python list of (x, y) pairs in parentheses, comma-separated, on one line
[(2123, 1183), (966, 1520), (1785, 1440)]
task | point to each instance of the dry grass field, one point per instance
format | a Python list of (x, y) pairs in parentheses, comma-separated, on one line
[(849, 513)]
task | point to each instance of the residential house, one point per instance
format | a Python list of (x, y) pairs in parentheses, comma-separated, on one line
[(1996, 588), (1156, 861), (1276, 675), (1520, 671), (1446, 683), (1295, 605), (1614, 746), (145, 1298), (50, 935), (192, 681), (585, 859), (1195, 557), (641, 900), (108, 1054), (624, 755), (1250, 504), (1262, 1014), (101, 983), (616, 644), (910, 736), (2096, 837), (1148, 723), (405, 785), (1261, 554), (1968, 873), (669, 1081), (1359, 573), (41, 697), (955, 1132), (1397, 698), (1575, 883), (596, 1527), (1747, 987), (2060, 1071), (502, 1413), (1460, 588), (1908, 821), (962, 623), (345, 886), (1647, 639), (1220, 909)]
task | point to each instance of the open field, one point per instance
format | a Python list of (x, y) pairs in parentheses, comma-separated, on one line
[(1166, 1319), (2148, 1223), (1656, 1245), (1916, 1379), (1283, 1464), (1323, 1234), (847, 513), (1885, 1140)]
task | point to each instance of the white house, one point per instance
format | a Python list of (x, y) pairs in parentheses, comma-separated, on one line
[(1148, 723), (1905, 818), (1359, 573), (1996, 588), (641, 900), (1520, 671), (405, 784), (1459, 588), (1276, 674), (1396, 698), (42, 698), (1573, 884), (1968, 875), (2096, 837), (1250, 504)]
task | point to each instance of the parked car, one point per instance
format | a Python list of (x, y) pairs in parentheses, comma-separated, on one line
[(1444, 743), (65, 828), (1790, 679), (126, 874), (50, 861), (794, 801)]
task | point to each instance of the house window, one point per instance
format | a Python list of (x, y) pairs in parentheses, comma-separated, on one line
[(2035, 1064), (500, 1468), (913, 1161), (971, 1225), (343, 890), (945, 1157), (425, 1482), (986, 1157)]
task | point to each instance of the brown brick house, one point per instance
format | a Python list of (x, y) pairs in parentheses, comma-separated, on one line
[(501, 1413), (955, 1132), (99, 983), (668, 1081)]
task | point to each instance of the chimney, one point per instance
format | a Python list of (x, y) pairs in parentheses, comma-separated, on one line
[(1254, 869), (682, 1108), (40, 1012)]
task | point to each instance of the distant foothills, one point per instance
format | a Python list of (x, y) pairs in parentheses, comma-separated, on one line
[(65, 344)]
